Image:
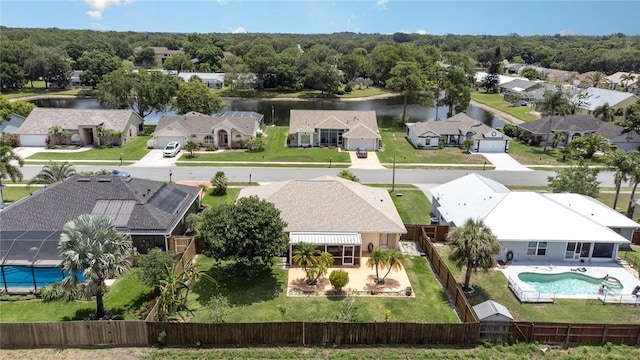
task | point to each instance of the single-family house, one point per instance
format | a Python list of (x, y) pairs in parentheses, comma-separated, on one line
[(596, 97), (212, 80), (11, 125), (150, 211), (82, 127), (582, 80), (502, 79), (491, 311), (620, 81), (454, 131), (161, 54), (519, 86), (556, 75), (533, 226), (564, 129), (341, 217), (231, 129), (346, 129)]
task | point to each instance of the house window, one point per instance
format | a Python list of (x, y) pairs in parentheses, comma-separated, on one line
[(208, 140), (305, 138), (537, 248), (384, 240)]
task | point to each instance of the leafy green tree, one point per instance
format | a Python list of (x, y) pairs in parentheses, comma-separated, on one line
[(634, 177), (219, 184), (51, 65), (457, 90), (193, 95), (632, 117), (407, 78), (578, 179), (146, 56), (53, 173), (191, 146), (11, 76), (605, 113), (473, 247), (179, 62), (322, 77), (234, 70), (141, 90), (22, 108), (10, 164), (219, 307), (249, 232), (260, 59), (94, 247), (339, 279), (554, 103), (96, 64), (621, 164), (210, 54), (490, 82), (531, 74), (153, 267), (586, 146), (175, 288), (348, 175)]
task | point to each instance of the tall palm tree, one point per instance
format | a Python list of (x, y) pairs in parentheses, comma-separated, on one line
[(554, 103), (304, 255), (605, 112), (378, 259), (625, 78), (597, 80), (92, 246), (620, 164), (634, 177), (394, 262), (10, 164), (474, 247), (54, 172)]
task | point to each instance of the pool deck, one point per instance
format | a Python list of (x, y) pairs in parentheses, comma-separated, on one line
[(596, 270)]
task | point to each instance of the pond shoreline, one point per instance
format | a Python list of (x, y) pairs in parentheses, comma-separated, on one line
[(503, 115)]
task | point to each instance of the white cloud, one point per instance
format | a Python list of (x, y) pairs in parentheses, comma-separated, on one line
[(96, 7), (422, 32), (382, 3), (239, 30), (566, 32), (95, 14)]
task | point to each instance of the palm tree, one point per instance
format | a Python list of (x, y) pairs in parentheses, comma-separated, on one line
[(554, 103), (394, 262), (620, 163), (625, 78), (348, 175), (605, 112), (378, 259), (597, 80), (219, 184), (92, 246), (58, 133), (474, 247), (54, 172), (8, 168), (323, 261), (634, 177), (304, 255)]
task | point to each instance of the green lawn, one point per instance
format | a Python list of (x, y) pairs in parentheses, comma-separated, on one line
[(406, 153), (537, 155), (493, 285), (37, 89), (256, 299), (215, 201), (413, 206), (275, 150), (631, 256), (125, 299), (496, 101), (12, 194), (134, 149)]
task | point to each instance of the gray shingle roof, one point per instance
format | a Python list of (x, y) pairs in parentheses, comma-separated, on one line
[(158, 206), (330, 203), (459, 124), (41, 119), (195, 123), (303, 120), (581, 123), (517, 83)]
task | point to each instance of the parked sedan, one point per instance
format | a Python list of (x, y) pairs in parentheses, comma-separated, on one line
[(115, 172), (361, 152)]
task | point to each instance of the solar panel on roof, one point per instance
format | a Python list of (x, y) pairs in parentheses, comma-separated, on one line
[(167, 199), (119, 211)]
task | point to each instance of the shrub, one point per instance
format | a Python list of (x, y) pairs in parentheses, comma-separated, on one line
[(340, 92), (348, 175), (56, 292), (348, 88), (211, 148), (255, 145), (349, 311), (219, 307), (219, 184), (339, 279), (466, 145), (511, 130), (153, 267)]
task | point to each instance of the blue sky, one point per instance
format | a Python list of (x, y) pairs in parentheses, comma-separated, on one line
[(549, 17)]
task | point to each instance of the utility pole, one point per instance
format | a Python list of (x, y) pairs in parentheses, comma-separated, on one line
[(393, 176)]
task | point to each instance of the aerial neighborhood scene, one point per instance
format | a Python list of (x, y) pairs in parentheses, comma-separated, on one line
[(384, 179)]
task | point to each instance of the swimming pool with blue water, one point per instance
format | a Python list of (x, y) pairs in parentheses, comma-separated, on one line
[(23, 276), (570, 283)]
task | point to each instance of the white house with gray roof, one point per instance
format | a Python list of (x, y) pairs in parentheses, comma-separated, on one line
[(339, 216), (82, 126), (596, 97), (230, 129), (212, 80), (454, 131), (533, 226), (347, 129)]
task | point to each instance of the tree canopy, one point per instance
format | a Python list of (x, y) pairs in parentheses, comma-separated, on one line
[(193, 95), (579, 179)]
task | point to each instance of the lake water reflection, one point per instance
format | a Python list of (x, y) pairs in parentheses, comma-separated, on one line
[(277, 111)]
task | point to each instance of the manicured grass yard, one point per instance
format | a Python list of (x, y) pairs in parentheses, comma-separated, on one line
[(536, 155), (413, 206), (406, 153), (496, 101), (493, 285), (125, 298), (134, 149), (256, 299), (11, 194), (37, 89), (275, 150), (215, 201)]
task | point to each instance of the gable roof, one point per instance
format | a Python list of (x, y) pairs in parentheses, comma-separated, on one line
[(573, 123), (489, 308), (615, 78), (138, 206), (331, 204), (12, 125), (302, 120), (595, 97), (41, 119), (246, 122), (459, 124), (519, 85)]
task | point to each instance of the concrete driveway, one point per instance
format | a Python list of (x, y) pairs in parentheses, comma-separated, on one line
[(155, 159), (370, 162), (504, 162)]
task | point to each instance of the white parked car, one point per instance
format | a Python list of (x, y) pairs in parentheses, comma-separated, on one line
[(172, 149)]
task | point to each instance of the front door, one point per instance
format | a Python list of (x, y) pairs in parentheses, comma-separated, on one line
[(577, 250), (347, 254)]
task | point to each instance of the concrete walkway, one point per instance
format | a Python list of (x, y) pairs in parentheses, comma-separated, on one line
[(504, 162), (370, 162)]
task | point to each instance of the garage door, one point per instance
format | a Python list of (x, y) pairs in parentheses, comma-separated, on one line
[(369, 144), (164, 140), (33, 140), (487, 146)]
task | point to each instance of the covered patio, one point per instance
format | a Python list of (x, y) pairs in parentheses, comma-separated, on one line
[(346, 248)]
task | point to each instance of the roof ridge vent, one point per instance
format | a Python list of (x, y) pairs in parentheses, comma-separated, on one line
[(84, 179), (104, 179)]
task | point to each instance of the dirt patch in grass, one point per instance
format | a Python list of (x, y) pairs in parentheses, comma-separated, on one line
[(76, 354)]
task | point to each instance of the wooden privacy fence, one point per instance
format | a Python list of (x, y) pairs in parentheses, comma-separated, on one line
[(561, 333), (436, 233)]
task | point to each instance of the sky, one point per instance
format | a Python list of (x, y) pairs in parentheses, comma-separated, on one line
[(479, 17)]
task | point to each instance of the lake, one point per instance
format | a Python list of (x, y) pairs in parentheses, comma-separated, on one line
[(277, 111)]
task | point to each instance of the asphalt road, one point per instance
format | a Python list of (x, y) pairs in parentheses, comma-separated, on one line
[(377, 176)]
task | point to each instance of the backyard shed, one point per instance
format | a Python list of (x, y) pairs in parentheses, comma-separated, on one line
[(491, 311)]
